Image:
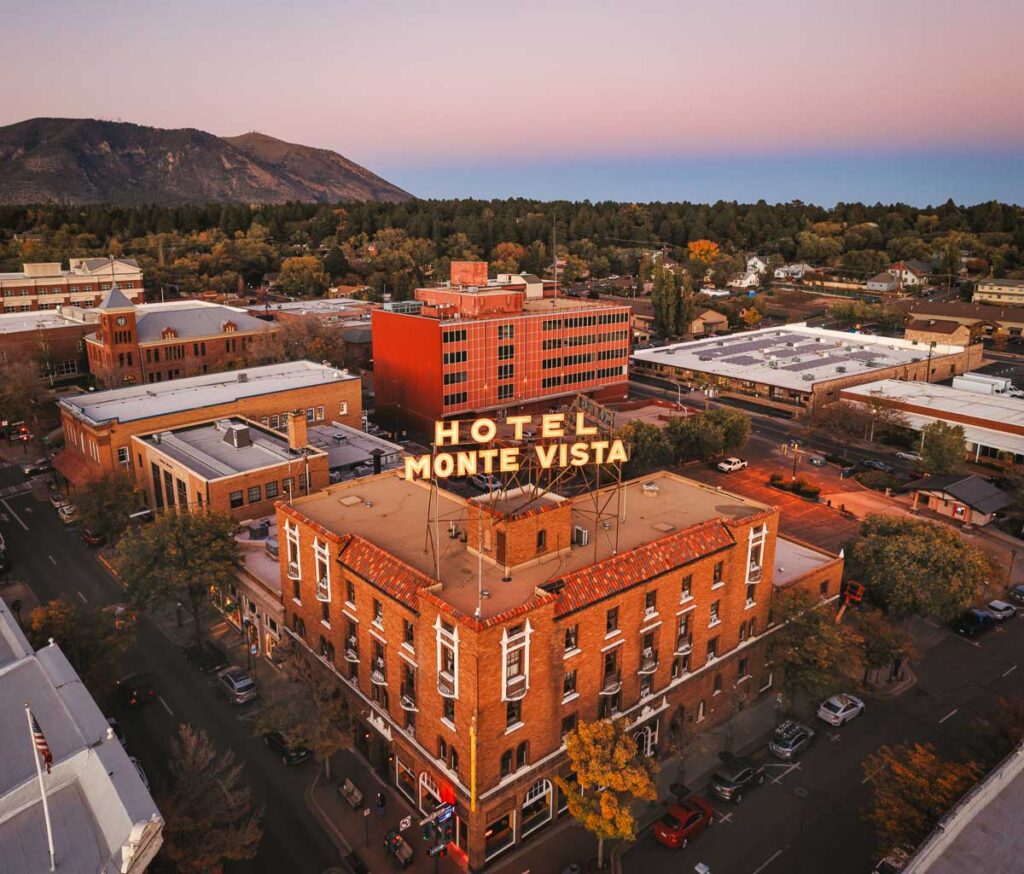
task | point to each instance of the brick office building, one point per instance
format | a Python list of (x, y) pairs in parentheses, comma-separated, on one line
[(99, 426), (471, 636), (159, 342), (507, 344), (46, 286)]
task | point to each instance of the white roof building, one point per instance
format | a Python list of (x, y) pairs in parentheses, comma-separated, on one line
[(104, 819)]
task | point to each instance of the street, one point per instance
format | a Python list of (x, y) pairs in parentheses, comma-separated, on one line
[(811, 811), (55, 563)]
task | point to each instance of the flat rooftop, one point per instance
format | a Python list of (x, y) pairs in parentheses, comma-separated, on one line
[(321, 306), (793, 560), (347, 447), (132, 403), (223, 448), (400, 519), (793, 356), (1005, 415), (40, 320)]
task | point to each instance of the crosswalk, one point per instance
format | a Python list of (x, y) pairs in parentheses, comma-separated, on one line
[(17, 489)]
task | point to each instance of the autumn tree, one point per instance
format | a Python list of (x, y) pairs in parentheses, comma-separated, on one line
[(104, 507), (610, 773), (912, 787), (303, 275), (703, 251), (87, 637), (995, 735), (943, 447), (22, 393), (507, 257), (751, 316), (310, 711), (813, 653), (911, 566), (180, 558), (883, 644), (209, 813)]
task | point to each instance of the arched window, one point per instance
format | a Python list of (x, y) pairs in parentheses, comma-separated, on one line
[(521, 755), (536, 807), (430, 795)]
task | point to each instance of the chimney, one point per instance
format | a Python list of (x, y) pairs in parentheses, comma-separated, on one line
[(376, 453), (297, 429)]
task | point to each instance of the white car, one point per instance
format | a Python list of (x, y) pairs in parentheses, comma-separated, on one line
[(731, 464), (68, 514), (840, 709), (1001, 610), (908, 456)]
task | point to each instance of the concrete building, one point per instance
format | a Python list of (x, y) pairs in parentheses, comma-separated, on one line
[(47, 286), (993, 424), (462, 349), (999, 292), (167, 341), (467, 662), (232, 466), (104, 819), (797, 368), (99, 426)]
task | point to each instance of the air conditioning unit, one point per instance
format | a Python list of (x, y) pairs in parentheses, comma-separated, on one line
[(840, 369), (580, 535)]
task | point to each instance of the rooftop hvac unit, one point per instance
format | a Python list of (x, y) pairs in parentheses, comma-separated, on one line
[(808, 377), (790, 343), (650, 487), (773, 364), (840, 369), (705, 357), (580, 535)]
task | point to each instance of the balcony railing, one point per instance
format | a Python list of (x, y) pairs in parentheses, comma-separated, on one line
[(754, 573), (293, 571), (612, 683), (684, 644), (379, 674), (648, 661), (446, 684), (515, 687), (408, 697), (323, 590), (351, 650)]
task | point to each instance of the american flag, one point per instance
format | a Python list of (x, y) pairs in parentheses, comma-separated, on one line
[(42, 747)]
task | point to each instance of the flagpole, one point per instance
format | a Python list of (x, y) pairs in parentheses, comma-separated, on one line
[(42, 788)]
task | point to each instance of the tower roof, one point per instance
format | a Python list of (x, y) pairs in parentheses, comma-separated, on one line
[(115, 300)]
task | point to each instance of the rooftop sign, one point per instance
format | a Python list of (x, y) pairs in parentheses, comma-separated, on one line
[(558, 453)]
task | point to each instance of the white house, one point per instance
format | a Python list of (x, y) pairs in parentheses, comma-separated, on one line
[(907, 275), (750, 279), (757, 264), (793, 271), (884, 281)]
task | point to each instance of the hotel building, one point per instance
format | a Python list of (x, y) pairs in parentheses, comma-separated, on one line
[(46, 286)]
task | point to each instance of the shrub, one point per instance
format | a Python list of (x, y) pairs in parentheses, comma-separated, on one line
[(877, 479), (775, 479)]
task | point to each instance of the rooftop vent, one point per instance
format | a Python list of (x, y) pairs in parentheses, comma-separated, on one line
[(841, 369), (243, 376), (650, 488), (664, 527), (350, 500), (236, 434), (340, 438), (808, 377)]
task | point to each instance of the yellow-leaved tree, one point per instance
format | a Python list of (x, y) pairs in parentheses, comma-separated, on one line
[(610, 773)]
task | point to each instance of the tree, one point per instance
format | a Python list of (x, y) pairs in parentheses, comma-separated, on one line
[(912, 566), (22, 394), (704, 251), (209, 812), (943, 447), (884, 645), (88, 638), (104, 507), (311, 711), (665, 300), (812, 651), (751, 316), (995, 737), (609, 774), (180, 558), (708, 434), (649, 448), (507, 257), (912, 787), (303, 275)]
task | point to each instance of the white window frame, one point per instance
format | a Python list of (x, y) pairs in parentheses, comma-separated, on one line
[(512, 643), (530, 797), (291, 536), (123, 456), (451, 640), (755, 547), (322, 556), (430, 784)]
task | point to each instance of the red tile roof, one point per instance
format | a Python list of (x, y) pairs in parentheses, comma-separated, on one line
[(381, 569), (591, 584)]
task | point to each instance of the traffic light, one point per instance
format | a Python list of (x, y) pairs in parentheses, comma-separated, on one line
[(448, 831), (428, 831), (437, 850)]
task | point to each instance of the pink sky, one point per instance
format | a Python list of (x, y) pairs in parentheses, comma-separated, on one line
[(454, 80)]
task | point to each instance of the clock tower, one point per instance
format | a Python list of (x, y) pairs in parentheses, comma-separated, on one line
[(120, 361)]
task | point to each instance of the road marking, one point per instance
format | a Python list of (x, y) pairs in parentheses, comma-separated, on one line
[(952, 712), (932, 623), (53, 561), (168, 709), (767, 862), (833, 736), (725, 817), (80, 595), (792, 767), (15, 515), (1008, 671), (965, 640)]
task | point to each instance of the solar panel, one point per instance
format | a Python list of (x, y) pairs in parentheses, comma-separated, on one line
[(742, 360), (797, 366)]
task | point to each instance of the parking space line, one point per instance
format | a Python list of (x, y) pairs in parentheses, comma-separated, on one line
[(833, 736), (160, 698), (15, 515), (725, 817), (1008, 671), (952, 712), (53, 561), (767, 862), (968, 642), (793, 767), (84, 599)]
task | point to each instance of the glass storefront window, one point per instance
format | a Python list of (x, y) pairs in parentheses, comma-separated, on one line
[(499, 835), (536, 807)]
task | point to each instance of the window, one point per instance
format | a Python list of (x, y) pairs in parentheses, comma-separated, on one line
[(296, 590), (716, 578), (569, 684), (718, 685), (343, 408), (506, 763), (505, 391), (822, 589), (713, 648), (506, 371), (122, 455), (456, 336), (378, 613), (350, 592), (454, 357), (611, 621), (572, 634), (325, 613), (449, 709), (310, 415), (270, 490), (408, 633), (715, 619), (513, 713), (686, 590), (568, 723), (741, 669), (752, 593), (255, 494), (442, 749), (680, 666), (235, 499), (506, 352), (506, 332), (521, 755), (542, 540), (459, 376), (752, 627), (460, 397), (651, 603)]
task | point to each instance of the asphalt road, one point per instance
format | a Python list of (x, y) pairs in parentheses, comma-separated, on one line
[(55, 563), (808, 817)]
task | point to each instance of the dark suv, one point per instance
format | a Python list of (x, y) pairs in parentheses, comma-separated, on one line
[(735, 776), (974, 622), (789, 740)]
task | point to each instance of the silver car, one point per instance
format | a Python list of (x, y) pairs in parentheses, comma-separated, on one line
[(237, 686)]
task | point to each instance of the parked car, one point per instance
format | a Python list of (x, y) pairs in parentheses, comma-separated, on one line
[(68, 514), (142, 774), (816, 460), (840, 709), (731, 464), (58, 500), (136, 690), (92, 538), (208, 656), (33, 468), (115, 727), (683, 821), (734, 776), (1017, 593), (908, 456), (1001, 610), (790, 739), (278, 743), (877, 464), (973, 622), (237, 686)]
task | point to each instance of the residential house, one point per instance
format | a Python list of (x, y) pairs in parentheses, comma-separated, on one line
[(972, 500)]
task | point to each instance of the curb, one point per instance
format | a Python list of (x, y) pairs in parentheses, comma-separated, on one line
[(894, 690), (325, 821)]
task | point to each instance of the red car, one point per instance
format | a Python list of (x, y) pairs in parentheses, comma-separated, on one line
[(683, 821), (93, 538)]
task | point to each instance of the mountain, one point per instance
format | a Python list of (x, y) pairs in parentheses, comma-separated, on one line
[(83, 160)]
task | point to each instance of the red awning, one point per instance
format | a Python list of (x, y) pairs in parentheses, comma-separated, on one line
[(75, 469)]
